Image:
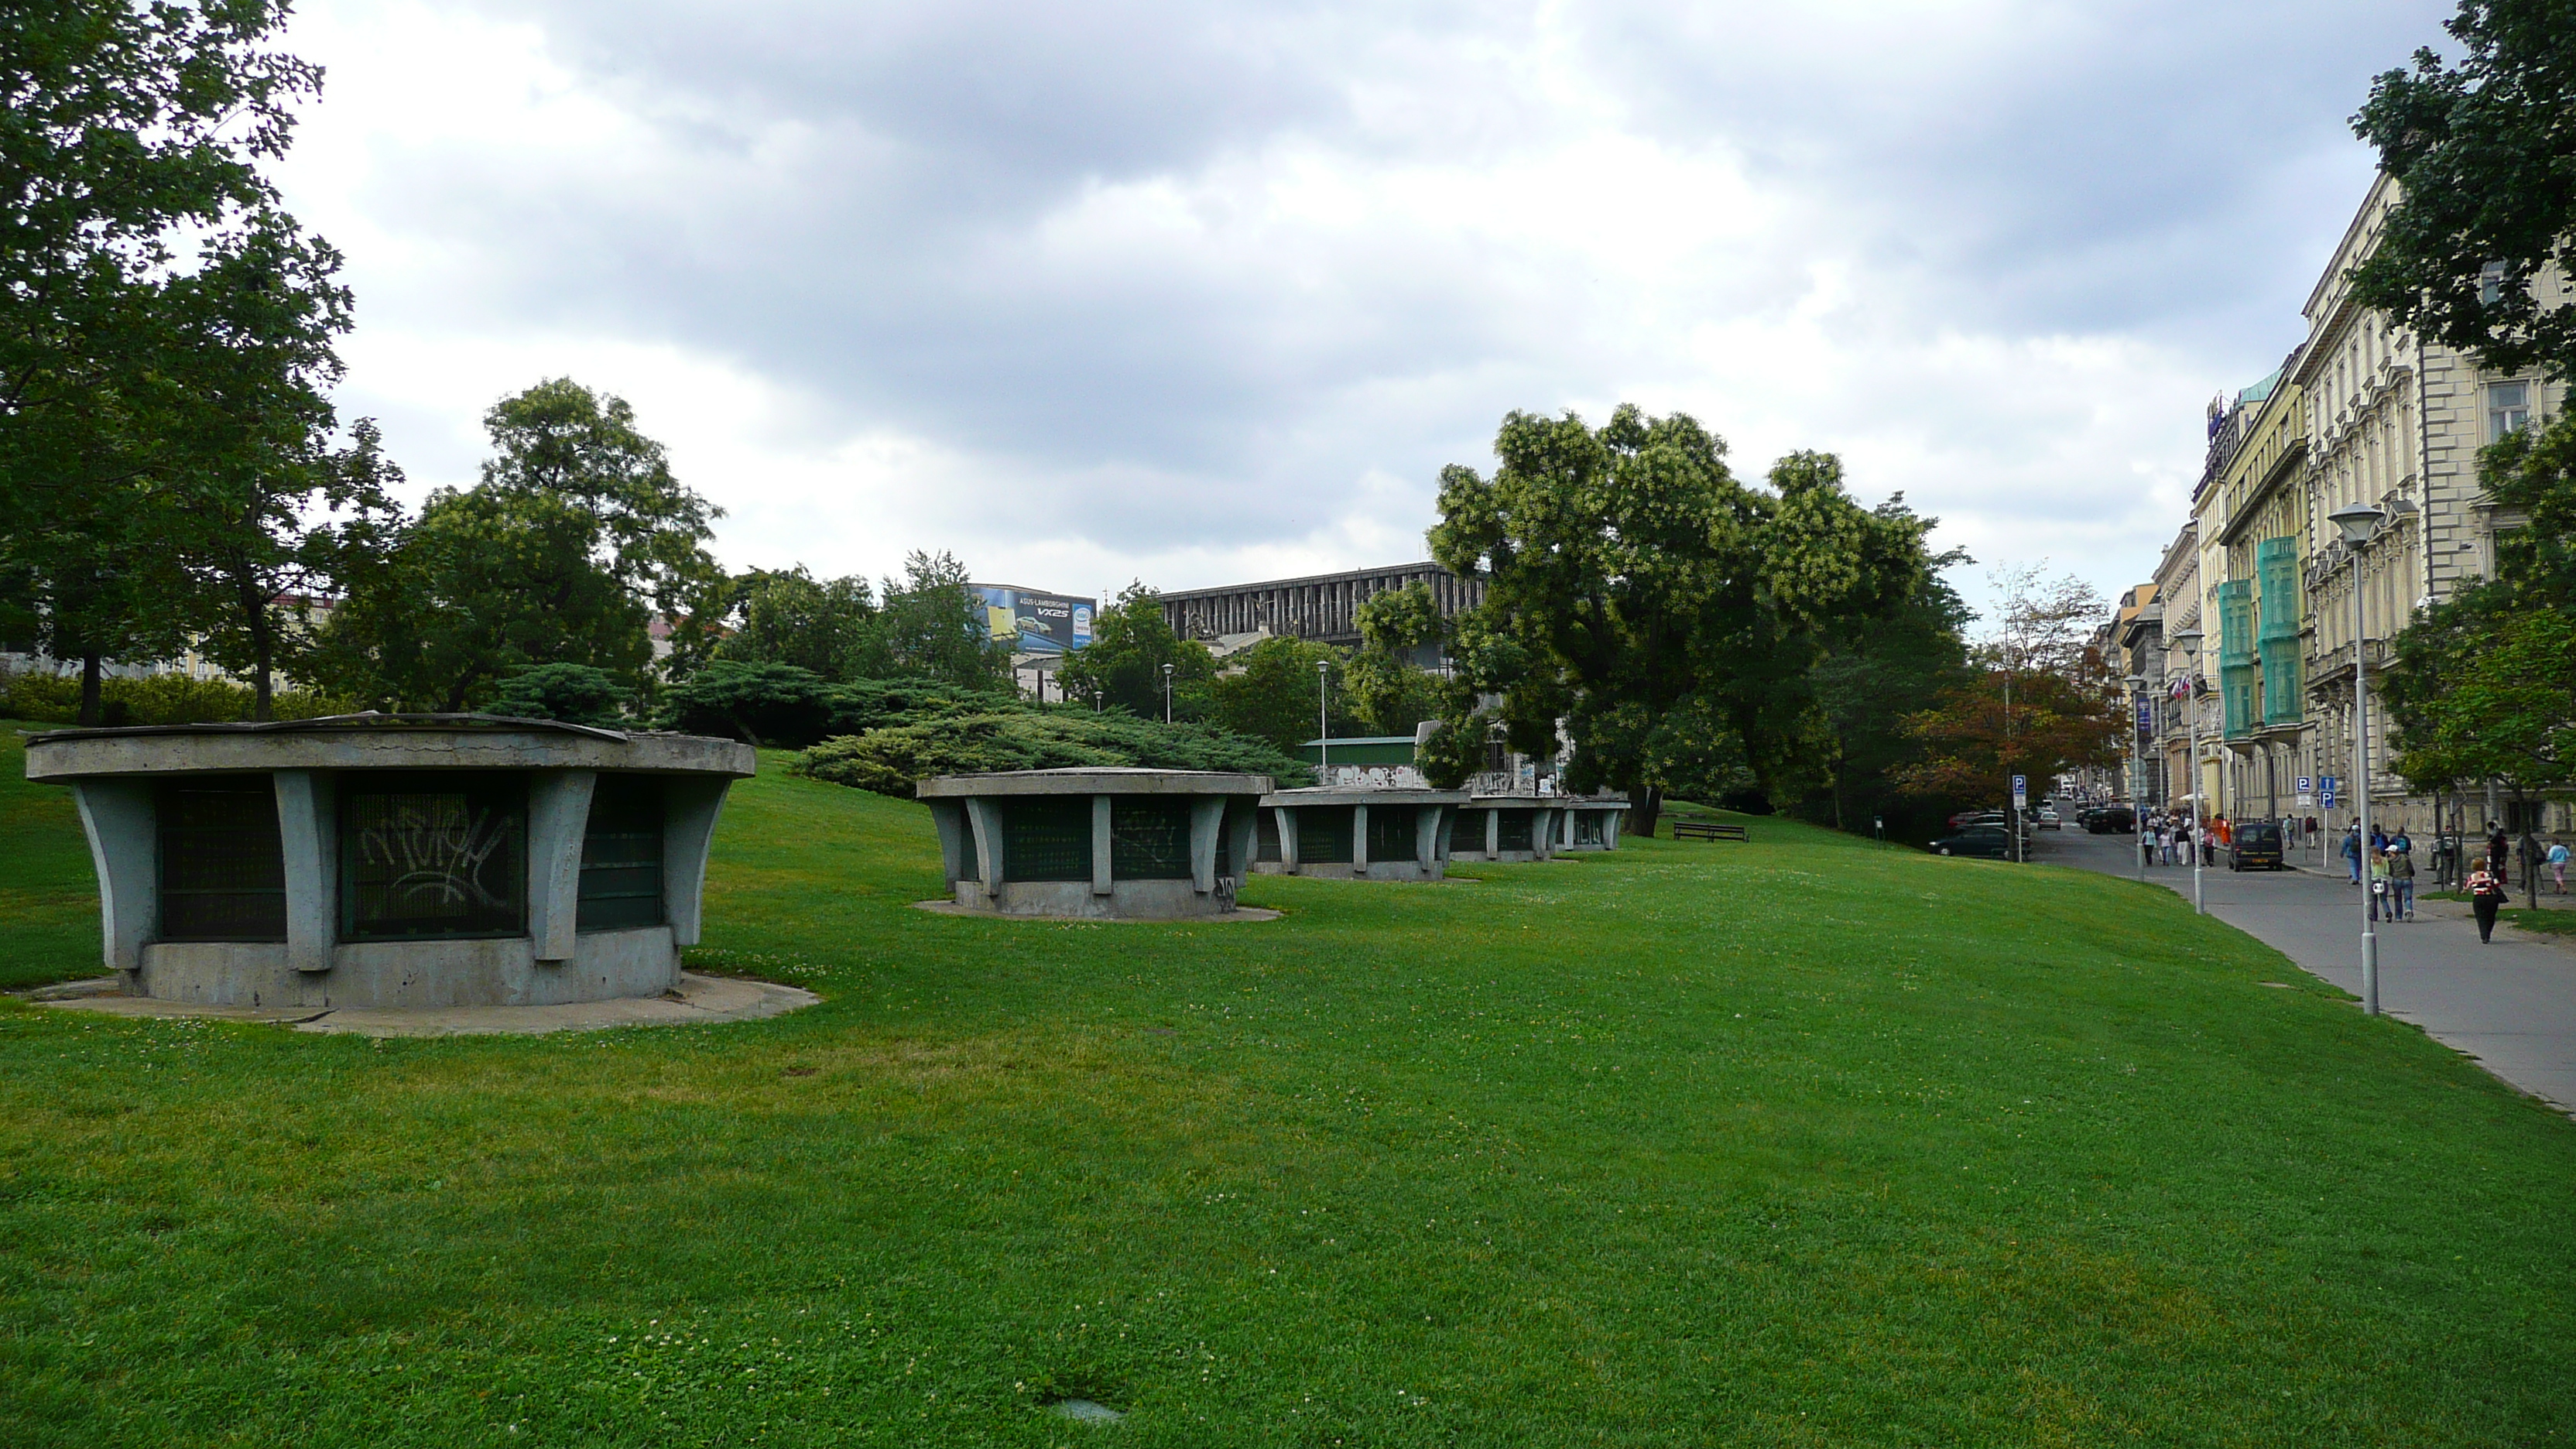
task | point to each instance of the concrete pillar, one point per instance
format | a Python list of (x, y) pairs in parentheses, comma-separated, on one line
[(956, 841), (558, 817), (1207, 817), (1426, 835), (690, 805), (308, 835), (1100, 881), (1610, 822), (985, 819), (1359, 840), (1493, 833), (1287, 837), (1242, 841), (124, 849)]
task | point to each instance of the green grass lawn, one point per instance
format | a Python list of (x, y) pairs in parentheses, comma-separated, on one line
[(1801, 1143)]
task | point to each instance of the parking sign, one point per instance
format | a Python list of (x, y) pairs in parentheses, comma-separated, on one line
[(2021, 792), (2307, 786)]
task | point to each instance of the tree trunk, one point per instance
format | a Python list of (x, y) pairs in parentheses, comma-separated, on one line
[(91, 711), (263, 645), (1645, 802)]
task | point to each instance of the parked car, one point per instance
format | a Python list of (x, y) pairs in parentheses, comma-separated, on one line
[(1988, 841), (2112, 820), (2047, 819), (2258, 847)]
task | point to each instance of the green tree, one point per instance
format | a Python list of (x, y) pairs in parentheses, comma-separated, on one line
[(1866, 688), (573, 693), (933, 627), (828, 626), (2486, 164), (1389, 689), (1269, 692), (1122, 666), (576, 537), (1637, 575)]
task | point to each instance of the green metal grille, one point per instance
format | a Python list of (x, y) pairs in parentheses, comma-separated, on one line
[(621, 855), (223, 871), (1390, 832), (1046, 838), (1467, 832), (1518, 829), (2236, 656), (2277, 567), (1587, 827), (1323, 834), (432, 857), (1149, 838)]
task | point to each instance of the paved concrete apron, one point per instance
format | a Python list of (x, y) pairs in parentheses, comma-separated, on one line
[(2511, 1005)]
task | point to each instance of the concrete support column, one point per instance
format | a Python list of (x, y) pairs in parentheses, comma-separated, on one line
[(308, 836), (1207, 817), (1100, 839), (1426, 835), (985, 820), (1243, 829), (1359, 840), (690, 805), (558, 817), (124, 849), (1287, 819), (1610, 822), (956, 841), (1493, 833)]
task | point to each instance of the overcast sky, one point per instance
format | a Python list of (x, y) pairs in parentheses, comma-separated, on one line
[(1204, 293)]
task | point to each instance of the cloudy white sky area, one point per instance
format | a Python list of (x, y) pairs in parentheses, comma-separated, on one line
[(1207, 292)]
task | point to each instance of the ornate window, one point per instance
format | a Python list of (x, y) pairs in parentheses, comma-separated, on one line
[(429, 856), (223, 872)]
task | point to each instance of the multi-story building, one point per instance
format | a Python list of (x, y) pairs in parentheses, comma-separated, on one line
[(2397, 423), (2136, 622), (1324, 609), (2254, 527), (2177, 609)]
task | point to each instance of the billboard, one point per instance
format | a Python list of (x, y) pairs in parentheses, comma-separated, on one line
[(1036, 623)]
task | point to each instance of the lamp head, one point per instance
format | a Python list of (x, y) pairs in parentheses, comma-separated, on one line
[(2187, 639), (2358, 522)]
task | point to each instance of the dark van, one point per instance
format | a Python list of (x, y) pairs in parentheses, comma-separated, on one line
[(2258, 847)]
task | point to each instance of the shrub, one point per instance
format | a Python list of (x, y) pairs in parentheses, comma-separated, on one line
[(160, 699), (573, 693), (892, 759), (760, 704)]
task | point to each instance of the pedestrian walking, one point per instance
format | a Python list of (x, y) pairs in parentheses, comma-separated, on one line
[(2486, 896), (2558, 866), (2380, 899), (2401, 880), (2352, 853), (2498, 847)]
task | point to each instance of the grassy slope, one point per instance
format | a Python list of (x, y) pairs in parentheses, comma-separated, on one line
[(48, 903), (1800, 1143)]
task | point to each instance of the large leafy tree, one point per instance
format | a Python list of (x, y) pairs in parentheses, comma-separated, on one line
[(1270, 692), (2486, 162), (131, 208), (2478, 254), (2037, 699), (932, 626), (577, 536), (1122, 666), (1649, 598), (1389, 689), (828, 626)]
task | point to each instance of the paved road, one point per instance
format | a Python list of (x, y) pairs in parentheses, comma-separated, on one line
[(2511, 1005)]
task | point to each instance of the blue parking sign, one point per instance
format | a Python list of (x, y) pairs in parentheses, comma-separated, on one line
[(2307, 786)]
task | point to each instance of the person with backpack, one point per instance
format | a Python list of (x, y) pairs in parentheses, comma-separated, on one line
[(2381, 873), (2401, 880), (2352, 853), (2486, 896), (2558, 866)]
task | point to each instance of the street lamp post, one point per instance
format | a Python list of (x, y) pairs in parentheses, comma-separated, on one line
[(2137, 775), (2189, 640), (1167, 694), (2359, 523)]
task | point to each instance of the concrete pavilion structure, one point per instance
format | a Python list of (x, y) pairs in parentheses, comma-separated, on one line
[(1356, 833), (1507, 828), (1587, 824), (1096, 844), (394, 860)]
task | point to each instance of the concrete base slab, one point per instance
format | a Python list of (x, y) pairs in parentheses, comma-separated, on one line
[(1239, 913), (699, 999)]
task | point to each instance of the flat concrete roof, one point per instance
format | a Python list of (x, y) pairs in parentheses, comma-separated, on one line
[(378, 742), (1094, 780)]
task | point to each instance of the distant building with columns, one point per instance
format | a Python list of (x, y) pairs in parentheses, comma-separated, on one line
[(1322, 609)]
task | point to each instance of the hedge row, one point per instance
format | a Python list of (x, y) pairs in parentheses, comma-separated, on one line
[(162, 699), (892, 759)]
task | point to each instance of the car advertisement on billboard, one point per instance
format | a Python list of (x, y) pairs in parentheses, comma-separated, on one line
[(1035, 623)]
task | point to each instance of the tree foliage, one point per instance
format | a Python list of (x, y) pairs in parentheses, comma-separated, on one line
[(826, 626), (1637, 590), (2486, 161), (1389, 690), (1269, 692), (1122, 666), (893, 759), (932, 627), (2038, 700)]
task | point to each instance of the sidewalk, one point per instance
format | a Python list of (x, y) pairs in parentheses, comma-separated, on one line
[(2510, 1005)]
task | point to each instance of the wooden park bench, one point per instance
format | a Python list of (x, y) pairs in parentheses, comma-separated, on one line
[(1708, 830)]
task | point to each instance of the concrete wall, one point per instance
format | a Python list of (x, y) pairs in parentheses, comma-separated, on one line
[(498, 971)]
